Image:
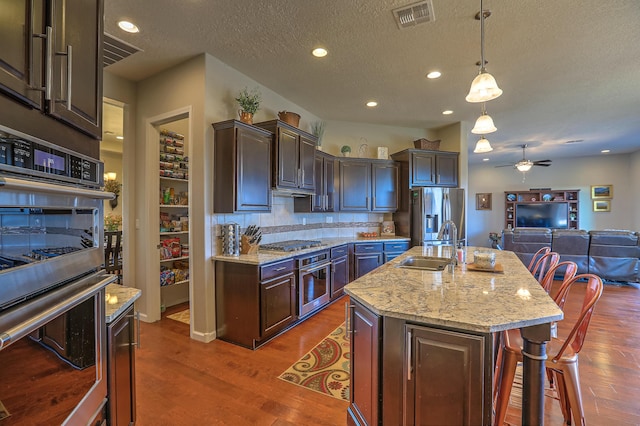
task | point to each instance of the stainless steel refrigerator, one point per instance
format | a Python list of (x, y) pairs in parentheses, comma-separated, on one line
[(430, 207)]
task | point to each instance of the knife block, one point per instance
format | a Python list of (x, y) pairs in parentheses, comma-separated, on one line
[(247, 247)]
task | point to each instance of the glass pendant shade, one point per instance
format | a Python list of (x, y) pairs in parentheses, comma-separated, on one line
[(484, 125), (482, 146), (524, 166), (483, 88)]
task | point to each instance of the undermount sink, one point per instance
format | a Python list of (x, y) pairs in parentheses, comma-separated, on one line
[(425, 263)]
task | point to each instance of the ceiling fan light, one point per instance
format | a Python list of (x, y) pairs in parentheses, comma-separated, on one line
[(483, 88), (482, 146), (524, 166), (484, 125)]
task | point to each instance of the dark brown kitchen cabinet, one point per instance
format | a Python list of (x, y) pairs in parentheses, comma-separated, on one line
[(432, 376), (121, 369), (293, 157), (384, 186), (242, 172), (368, 185), (51, 67), (429, 168), (366, 257), (365, 366), (445, 379), (22, 53), (76, 93), (254, 302), (339, 270), (394, 249), (323, 199), (278, 302)]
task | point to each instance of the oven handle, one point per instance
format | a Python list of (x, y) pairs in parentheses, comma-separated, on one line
[(315, 267), (24, 328), (32, 186)]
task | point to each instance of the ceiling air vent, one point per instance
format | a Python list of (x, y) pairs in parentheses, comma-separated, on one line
[(115, 50), (414, 14)]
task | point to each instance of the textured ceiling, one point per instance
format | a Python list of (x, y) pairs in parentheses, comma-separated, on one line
[(569, 70)]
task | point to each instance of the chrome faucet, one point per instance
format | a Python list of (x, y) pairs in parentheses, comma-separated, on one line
[(453, 235)]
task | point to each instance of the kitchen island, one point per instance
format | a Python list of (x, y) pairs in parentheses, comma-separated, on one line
[(422, 341)]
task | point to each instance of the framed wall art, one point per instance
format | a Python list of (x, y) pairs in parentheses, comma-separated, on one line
[(483, 201), (601, 205), (602, 192)]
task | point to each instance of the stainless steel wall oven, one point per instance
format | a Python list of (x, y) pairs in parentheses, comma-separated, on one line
[(314, 275), (52, 341)]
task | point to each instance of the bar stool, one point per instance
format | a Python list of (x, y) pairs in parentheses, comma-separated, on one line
[(570, 272), (544, 250), (550, 260), (113, 253), (562, 356)]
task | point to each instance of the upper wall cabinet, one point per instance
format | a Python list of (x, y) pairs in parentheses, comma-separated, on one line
[(242, 168), (324, 198), (76, 86), (368, 185), (51, 63), (293, 157), (430, 168)]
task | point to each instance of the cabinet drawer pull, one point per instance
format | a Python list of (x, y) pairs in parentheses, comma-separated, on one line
[(282, 268)]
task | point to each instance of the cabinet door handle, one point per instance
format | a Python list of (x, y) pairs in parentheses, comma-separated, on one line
[(136, 315), (69, 54), (409, 355), (302, 181), (373, 202), (48, 79), (367, 201), (347, 316)]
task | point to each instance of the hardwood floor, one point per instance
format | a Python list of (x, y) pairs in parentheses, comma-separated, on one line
[(184, 382)]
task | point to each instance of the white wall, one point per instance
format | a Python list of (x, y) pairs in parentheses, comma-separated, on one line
[(579, 173), (634, 179)]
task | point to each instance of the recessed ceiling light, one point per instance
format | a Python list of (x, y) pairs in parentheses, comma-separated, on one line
[(319, 52), (447, 112), (604, 151), (434, 74), (120, 137), (129, 27), (372, 104), (485, 159)]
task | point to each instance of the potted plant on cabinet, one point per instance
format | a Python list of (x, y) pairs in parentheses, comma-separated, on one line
[(249, 102), (345, 150)]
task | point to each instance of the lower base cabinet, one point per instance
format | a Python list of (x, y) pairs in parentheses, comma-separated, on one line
[(121, 369), (431, 376), (339, 270)]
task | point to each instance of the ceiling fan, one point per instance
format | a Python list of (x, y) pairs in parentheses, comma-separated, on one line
[(525, 165)]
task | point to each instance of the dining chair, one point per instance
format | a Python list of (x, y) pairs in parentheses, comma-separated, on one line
[(544, 250), (562, 355), (113, 253), (548, 260)]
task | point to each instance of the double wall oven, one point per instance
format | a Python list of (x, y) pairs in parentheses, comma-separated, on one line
[(52, 323)]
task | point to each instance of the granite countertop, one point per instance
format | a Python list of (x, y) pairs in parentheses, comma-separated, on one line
[(118, 300), (268, 256), (467, 300)]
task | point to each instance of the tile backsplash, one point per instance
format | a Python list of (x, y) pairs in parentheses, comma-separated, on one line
[(283, 224)]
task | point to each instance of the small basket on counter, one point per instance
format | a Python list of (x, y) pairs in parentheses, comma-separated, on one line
[(423, 143)]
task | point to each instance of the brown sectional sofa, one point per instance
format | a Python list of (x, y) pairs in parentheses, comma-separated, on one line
[(613, 255)]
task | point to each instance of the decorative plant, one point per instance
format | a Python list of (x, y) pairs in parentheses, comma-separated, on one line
[(346, 149), (249, 101), (113, 186), (112, 222), (317, 129)]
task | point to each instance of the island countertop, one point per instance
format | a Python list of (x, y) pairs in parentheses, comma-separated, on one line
[(468, 300)]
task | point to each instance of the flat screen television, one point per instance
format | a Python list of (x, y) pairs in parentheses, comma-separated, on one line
[(542, 215)]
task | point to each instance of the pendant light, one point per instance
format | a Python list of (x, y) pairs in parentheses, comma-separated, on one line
[(482, 146), (484, 123), (483, 87)]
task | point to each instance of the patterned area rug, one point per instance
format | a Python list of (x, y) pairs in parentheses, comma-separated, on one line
[(182, 316), (325, 368)]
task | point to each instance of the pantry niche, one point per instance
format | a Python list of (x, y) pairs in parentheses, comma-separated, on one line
[(173, 201)]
